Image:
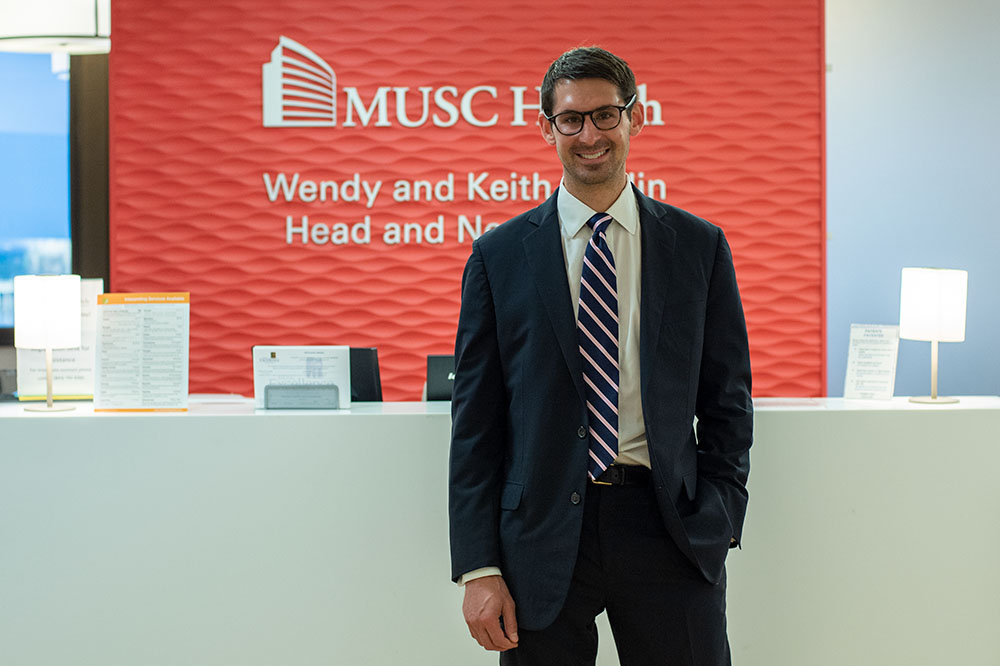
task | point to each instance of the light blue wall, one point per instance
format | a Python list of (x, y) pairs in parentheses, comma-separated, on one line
[(913, 145), (34, 148)]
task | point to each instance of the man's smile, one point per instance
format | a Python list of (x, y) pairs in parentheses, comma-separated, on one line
[(593, 155)]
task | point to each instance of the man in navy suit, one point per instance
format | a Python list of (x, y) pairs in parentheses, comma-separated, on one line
[(540, 541)]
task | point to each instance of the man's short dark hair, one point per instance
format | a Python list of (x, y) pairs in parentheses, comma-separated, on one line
[(587, 62)]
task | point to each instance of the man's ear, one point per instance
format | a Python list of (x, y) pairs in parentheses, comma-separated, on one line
[(545, 125), (638, 117)]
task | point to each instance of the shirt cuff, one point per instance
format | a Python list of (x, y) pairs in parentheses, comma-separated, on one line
[(478, 573)]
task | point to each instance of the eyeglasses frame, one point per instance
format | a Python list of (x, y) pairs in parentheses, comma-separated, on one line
[(585, 114)]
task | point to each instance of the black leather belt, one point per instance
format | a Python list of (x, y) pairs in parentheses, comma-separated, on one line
[(624, 475)]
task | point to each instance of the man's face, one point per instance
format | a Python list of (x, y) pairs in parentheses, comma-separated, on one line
[(592, 158)]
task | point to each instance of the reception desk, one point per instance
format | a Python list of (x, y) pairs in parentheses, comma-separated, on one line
[(223, 536)]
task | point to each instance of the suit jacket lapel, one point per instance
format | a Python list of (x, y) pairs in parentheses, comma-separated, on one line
[(658, 241), (544, 254)]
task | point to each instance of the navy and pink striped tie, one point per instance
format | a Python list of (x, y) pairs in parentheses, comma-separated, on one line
[(597, 322)]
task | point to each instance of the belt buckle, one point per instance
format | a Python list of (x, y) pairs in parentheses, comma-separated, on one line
[(606, 483)]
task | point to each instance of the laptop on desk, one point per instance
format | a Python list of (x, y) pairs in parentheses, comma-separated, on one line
[(440, 376)]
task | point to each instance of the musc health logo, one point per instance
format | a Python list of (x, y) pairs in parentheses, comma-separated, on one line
[(300, 90)]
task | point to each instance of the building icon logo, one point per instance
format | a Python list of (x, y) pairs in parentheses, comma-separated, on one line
[(299, 88)]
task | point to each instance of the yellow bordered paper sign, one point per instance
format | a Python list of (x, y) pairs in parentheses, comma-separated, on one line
[(143, 344)]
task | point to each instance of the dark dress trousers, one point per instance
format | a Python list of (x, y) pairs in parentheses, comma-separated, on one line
[(518, 467)]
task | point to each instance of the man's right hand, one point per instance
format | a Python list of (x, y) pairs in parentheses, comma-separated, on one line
[(487, 600)]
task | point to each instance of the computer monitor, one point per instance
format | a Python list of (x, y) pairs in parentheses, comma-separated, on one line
[(440, 376), (366, 383)]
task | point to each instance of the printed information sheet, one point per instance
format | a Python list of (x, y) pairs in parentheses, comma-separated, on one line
[(871, 361), (72, 369), (303, 376), (142, 352)]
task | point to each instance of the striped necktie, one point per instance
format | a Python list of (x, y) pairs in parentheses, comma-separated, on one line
[(597, 323)]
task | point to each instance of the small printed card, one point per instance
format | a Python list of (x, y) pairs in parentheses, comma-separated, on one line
[(871, 361), (302, 376)]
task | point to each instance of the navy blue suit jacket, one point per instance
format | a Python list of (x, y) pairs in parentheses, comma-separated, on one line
[(518, 464)]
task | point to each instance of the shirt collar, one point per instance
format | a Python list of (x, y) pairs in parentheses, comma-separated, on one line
[(573, 213)]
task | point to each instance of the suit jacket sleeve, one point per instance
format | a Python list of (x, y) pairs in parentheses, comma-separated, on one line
[(479, 426), (723, 404)]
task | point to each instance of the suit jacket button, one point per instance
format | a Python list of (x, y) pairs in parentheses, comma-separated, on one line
[(575, 497), (582, 432)]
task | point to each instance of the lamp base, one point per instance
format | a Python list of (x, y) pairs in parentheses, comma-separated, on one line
[(928, 400), (46, 408)]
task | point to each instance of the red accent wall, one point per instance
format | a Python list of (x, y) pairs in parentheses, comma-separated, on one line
[(739, 89)]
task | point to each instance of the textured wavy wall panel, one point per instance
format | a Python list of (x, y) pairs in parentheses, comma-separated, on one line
[(739, 88)]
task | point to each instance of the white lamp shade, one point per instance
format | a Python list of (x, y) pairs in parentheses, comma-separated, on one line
[(47, 311), (932, 304), (44, 26)]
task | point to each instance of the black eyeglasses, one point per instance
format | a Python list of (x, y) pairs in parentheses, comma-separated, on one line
[(569, 123)]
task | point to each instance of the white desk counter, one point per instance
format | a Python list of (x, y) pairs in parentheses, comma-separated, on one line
[(872, 536), (223, 537)]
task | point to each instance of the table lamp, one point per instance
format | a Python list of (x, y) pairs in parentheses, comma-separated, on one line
[(932, 308), (47, 316)]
